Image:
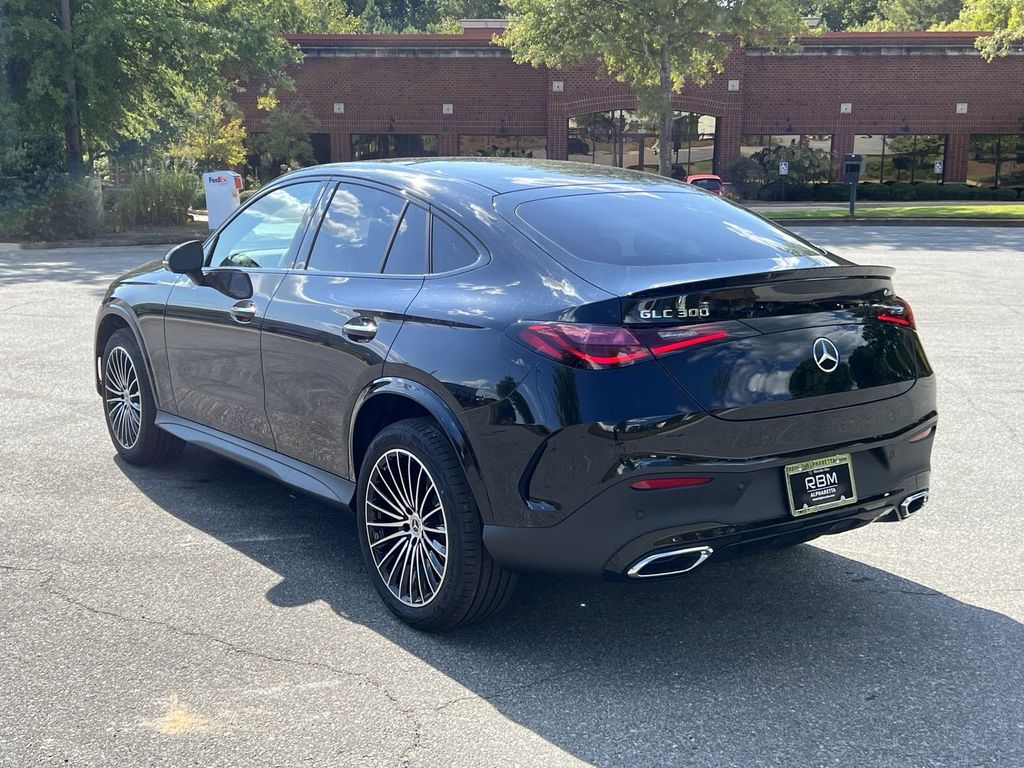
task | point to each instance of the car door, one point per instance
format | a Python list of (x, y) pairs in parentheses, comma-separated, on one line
[(331, 323), (212, 327)]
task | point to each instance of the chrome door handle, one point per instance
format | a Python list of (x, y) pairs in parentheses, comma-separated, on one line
[(243, 312), (360, 328)]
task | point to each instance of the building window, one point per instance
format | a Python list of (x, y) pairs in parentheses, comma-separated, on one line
[(752, 143), (996, 160), (622, 139), (478, 145), (378, 146), (902, 158), (321, 145)]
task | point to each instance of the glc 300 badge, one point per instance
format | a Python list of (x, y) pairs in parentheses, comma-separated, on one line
[(826, 356), (680, 312)]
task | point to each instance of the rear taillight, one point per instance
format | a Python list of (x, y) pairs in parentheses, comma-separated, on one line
[(596, 347), (584, 346), (898, 312)]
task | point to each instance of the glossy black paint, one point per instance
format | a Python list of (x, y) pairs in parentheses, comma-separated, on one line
[(549, 450)]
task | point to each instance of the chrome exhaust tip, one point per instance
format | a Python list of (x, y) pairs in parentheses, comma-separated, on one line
[(911, 504), (664, 563), (905, 508)]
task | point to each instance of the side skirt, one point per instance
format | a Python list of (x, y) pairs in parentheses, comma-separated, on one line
[(297, 474)]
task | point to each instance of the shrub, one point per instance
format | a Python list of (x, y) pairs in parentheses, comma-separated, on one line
[(158, 198), (1004, 193), (901, 191), (874, 192), (64, 214), (833, 192)]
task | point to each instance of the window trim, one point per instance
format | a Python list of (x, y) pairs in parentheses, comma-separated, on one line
[(210, 244), (307, 252), (482, 254), (428, 225), (301, 262)]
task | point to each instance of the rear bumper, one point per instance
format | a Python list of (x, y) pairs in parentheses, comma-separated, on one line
[(744, 509)]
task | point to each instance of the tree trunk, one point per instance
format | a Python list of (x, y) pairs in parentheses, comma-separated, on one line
[(665, 114), (72, 126)]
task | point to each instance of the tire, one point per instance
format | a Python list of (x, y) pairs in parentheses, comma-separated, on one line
[(431, 525), (130, 417)]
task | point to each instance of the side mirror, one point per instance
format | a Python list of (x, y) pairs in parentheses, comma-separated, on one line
[(187, 259)]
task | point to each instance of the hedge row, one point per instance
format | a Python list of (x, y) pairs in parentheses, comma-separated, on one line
[(837, 192)]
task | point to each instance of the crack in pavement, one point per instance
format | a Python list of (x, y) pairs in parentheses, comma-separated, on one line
[(15, 568), (410, 714)]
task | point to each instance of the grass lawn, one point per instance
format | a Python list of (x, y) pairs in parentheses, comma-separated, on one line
[(967, 210)]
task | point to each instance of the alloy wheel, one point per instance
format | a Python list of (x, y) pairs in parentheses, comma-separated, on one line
[(406, 527), (123, 397)]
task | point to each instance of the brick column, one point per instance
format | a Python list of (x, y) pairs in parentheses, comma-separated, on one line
[(448, 143), (955, 165), (842, 144), (728, 129)]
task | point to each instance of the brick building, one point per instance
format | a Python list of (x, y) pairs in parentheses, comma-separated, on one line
[(922, 106)]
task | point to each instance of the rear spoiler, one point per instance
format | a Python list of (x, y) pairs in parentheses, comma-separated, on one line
[(794, 291)]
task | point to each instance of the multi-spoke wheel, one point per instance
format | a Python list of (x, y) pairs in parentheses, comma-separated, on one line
[(405, 525), (124, 400), (129, 406), (421, 532)]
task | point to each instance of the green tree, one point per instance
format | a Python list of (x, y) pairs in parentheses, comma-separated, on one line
[(285, 144), (1004, 18), (913, 15), (132, 63), (326, 17), (842, 14), (214, 137), (372, 21), (656, 46)]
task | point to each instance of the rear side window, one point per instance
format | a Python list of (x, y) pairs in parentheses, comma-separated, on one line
[(408, 254), (651, 229), (356, 231), (448, 249)]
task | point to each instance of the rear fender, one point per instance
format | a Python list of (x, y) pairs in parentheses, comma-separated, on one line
[(441, 413)]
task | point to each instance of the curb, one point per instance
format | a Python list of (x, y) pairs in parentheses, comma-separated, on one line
[(139, 238), (864, 221)]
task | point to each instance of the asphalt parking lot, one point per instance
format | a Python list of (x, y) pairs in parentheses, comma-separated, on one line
[(198, 614)]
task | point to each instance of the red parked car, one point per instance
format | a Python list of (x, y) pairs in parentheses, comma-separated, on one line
[(708, 182)]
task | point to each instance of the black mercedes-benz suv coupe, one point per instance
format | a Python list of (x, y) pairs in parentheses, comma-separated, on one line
[(503, 366)]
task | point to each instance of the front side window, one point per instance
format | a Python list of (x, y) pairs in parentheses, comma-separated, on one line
[(356, 231), (266, 233)]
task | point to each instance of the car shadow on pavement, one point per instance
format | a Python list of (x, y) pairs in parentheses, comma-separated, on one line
[(794, 658)]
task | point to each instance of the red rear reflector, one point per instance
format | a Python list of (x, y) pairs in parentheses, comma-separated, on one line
[(659, 483), (921, 435), (899, 313)]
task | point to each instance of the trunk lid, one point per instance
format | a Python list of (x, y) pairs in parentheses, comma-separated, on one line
[(795, 341)]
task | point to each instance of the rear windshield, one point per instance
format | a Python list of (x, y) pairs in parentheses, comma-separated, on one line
[(649, 229), (707, 183)]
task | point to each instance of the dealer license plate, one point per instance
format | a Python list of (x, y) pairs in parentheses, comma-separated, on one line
[(820, 484)]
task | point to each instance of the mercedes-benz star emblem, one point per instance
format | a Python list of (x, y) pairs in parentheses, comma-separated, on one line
[(826, 356)]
